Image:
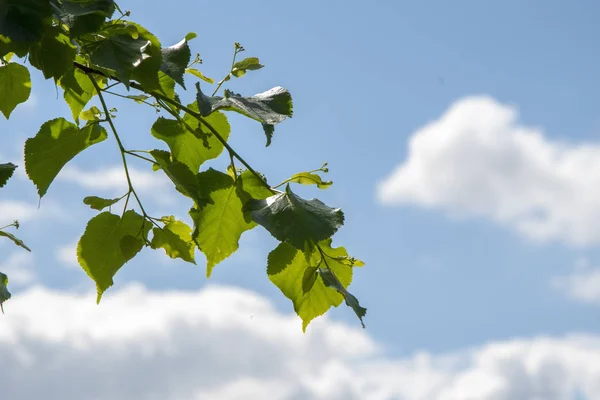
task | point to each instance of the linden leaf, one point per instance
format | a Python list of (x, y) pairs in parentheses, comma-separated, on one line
[(108, 242), (176, 239), (15, 87), (175, 60), (269, 108), (6, 171), (56, 143), (98, 203), (290, 218), (220, 222)]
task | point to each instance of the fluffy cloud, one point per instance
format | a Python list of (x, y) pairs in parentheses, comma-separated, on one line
[(476, 159), (112, 179), (582, 286), (224, 343), (18, 268)]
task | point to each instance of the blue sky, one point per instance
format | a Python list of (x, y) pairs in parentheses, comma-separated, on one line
[(492, 108)]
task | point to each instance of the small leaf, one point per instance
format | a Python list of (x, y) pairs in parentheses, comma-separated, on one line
[(290, 218), (79, 90), (103, 249), (269, 108), (139, 98), (190, 36), (54, 54), (185, 181), (175, 60), (176, 239), (6, 171), (4, 293), (93, 114), (219, 223), (199, 74), (330, 280), (15, 240), (308, 178), (15, 87), (98, 203), (308, 281), (248, 64), (56, 143)]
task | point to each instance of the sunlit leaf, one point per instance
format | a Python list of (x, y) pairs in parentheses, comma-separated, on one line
[(175, 59), (176, 239), (199, 74), (98, 203), (15, 87), (56, 143), (54, 54), (248, 64)]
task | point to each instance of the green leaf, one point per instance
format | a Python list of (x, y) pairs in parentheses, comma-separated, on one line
[(6, 171), (56, 143), (15, 87), (269, 108), (24, 20), (287, 268), (4, 293), (248, 64), (185, 181), (308, 178), (290, 218), (330, 280), (119, 52), (98, 203), (54, 54), (79, 90), (219, 223), (176, 238), (14, 239), (190, 36), (108, 242), (83, 16), (253, 187), (147, 72), (175, 59), (139, 98), (199, 74), (92, 114), (192, 148)]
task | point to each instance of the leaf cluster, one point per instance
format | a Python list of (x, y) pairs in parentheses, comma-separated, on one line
[(92, 51)]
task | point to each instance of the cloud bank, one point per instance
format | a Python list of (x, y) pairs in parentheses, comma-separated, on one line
[(478, 160), (225, 343)]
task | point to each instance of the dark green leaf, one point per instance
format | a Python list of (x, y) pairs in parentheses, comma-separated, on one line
[(54, 54), (268, 108), (248, 64), (119, 52), (14, 239), (4, 293), (83, 16), (98, 203), (219, 223), (56, 143), (290, 218), (24, 20), (176, 239), (147, 72), (15, 87), (330, 280), (6, 171), (308, 178), (199, 74), (185, 181), (79, 90), (103, 249), (175, 59), (308, 281)]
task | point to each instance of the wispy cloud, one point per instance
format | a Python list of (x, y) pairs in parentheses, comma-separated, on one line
[(226, 343), (476, 159), (18, 266)]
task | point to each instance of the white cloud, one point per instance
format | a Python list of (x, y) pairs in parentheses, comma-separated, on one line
[(17, 266), (476, 159), (225, 343), (67, 255), (112, 179), (24, 211), (582, 286)]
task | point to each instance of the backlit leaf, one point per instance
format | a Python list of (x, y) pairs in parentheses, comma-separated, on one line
[(108, 242), (56, 143), (176, 239), (4, 293), (185, 181), (98, 203), (309, 178), (199, 74), (54, 54), (248, 64), (79, 90), (15, 87)]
